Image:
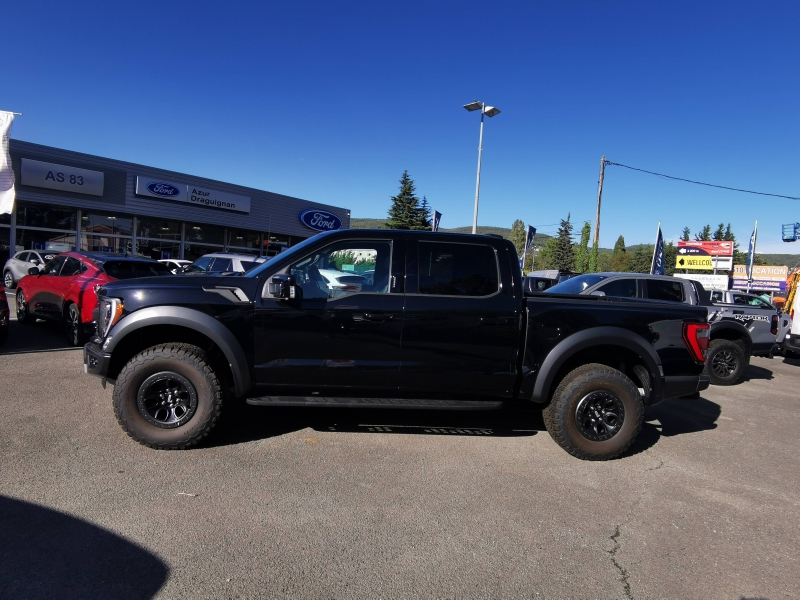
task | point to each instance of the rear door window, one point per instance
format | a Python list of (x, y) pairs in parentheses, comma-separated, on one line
[(620, 288), (447, 269), (54, 266), (663, 289)]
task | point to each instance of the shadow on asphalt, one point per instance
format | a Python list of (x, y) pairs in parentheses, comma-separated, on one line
[(41, 336), (753, 372), (48, 554), (243, 423), (675, 416)]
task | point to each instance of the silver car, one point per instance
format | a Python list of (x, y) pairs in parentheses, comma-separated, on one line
[(17, 266)]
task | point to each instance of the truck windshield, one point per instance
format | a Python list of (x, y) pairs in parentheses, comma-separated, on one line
[(576, 285), (280, 257)]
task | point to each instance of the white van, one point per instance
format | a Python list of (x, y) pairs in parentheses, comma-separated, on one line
[(791, 343)]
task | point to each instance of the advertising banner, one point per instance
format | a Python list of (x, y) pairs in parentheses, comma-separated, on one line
[(709, 282), (6, 174), (180, 192), (657, 266), (711, 248), (437, 216), (770, 278)]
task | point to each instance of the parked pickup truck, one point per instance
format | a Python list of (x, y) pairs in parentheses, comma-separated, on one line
[(441, 322), (742, 325)]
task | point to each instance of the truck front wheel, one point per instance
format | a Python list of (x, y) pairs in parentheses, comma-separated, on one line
[(595, 414), (726, 362), (168, 397)]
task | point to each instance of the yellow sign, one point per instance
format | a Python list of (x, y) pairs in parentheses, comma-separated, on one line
[(693, 262)]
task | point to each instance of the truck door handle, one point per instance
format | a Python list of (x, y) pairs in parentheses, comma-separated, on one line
[(378, 317)]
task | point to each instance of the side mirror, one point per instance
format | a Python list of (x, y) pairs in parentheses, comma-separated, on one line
[(283, 287), (597, 293), (33, 271)]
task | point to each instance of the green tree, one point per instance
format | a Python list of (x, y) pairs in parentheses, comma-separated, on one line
[(670, 254), (619, 257), (582, 256), (704, 235), (686, 235), (424, 215), (564, 254), (604, 263), (719, 234), (546, 257), (405, 210), (641, 259), (593, 265), (517, 236)]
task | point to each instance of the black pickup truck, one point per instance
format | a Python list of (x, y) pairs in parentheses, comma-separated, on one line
[(390, 318)]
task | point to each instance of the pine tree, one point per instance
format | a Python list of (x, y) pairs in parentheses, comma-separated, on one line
[(704, 235), (719, 234), (517, 236), (404, 212), (619, 258), (582, 256), (564, 254), (685, 236), (641, 260), (423, 215)]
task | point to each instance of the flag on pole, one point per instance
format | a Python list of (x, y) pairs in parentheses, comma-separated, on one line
[(437, 216), (528, 241), (6, 173), (751, 255), (657, 268)]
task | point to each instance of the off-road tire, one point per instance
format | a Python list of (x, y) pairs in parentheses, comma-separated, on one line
[(24, 315), (73, 327), (9, 276), (187, 361), (726, 356), (560, 415)]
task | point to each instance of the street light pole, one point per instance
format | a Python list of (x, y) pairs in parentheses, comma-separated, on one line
[(488, 111), (478, 180)]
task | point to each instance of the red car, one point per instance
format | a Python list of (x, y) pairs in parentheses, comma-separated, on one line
[(3, 315), (65, 289)]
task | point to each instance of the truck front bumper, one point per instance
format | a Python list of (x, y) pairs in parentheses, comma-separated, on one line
[(792, 342), (95, 361)]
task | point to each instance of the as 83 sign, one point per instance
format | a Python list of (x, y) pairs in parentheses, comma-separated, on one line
[(52, 176)]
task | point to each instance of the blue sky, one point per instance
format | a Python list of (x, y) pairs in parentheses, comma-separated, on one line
[(331, 101)]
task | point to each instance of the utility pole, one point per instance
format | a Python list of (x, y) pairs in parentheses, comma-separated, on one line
[(599, 199)]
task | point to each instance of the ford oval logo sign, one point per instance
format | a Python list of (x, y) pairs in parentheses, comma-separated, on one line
[(163, 189), (320, 220)]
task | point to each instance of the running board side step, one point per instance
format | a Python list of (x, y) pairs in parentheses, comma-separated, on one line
[(375, 402)]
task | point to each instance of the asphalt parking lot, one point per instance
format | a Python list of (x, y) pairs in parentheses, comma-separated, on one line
[(392, 504)]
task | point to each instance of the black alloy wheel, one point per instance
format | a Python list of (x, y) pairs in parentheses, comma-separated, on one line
[(73, 327), (599, 416), (23, 310), (167, 400), (724, 363)]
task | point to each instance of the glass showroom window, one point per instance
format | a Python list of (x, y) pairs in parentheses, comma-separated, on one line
[(45, 227), (276, 244), (102, 232), (157, 238), (202, 239), (243, 241)]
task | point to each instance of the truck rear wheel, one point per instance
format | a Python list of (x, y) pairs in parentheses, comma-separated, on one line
[(595, 414), (726, 362), (168, 397)]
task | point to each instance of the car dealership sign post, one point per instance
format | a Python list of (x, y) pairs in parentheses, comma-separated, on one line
[(715, 254)]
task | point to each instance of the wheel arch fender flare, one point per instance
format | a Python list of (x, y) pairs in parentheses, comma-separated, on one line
[(731, 326), (596, 336), (191, 319)]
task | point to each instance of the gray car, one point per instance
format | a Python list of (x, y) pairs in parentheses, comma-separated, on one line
[(742, 325), (17, 266)]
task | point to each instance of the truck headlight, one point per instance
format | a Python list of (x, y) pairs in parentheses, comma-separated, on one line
[(109, 313)]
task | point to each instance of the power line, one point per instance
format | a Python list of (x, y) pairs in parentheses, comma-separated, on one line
[(724, 187)]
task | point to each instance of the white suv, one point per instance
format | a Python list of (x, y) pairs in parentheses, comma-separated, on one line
[(17, 266), (224, 262)]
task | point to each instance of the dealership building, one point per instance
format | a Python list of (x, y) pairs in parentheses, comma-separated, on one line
[(67, 200)]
